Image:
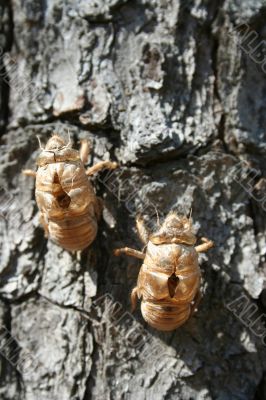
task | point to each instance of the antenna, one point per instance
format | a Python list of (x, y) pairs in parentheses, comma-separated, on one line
[(69, 139), (190, 216), (40, 143), (157, 215)]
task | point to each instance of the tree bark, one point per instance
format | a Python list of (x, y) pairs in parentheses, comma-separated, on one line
[(175, 92)]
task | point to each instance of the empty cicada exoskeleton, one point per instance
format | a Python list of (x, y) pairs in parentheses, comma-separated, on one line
[(169, 278), (69, 208)]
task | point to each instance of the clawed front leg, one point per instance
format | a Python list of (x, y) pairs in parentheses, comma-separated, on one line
[(142, 230), (44, 224), (129, 252), (98, 207), (29, 172), (84, 151), (195, 303), (101, 166), (206, 245), (134, 298)]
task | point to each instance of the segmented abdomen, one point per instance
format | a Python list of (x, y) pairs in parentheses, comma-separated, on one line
[(74, 234), (165, 316)]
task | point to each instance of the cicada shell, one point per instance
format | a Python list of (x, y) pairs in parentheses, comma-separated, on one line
[(69, 208), (169, 279)]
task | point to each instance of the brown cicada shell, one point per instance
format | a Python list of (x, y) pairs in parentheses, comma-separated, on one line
[(69, 208), (169, 278)]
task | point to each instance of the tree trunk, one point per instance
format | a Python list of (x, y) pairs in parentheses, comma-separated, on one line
[(175, 92)]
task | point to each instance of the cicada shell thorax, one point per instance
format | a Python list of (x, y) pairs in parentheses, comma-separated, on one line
[(169, 278), (65, 197)]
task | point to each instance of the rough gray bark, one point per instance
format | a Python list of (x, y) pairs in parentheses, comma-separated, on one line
[(164, 88)]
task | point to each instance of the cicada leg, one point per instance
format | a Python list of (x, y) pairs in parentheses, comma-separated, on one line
[(29, 172), (196, 301), (134, 298), (142, 230), (44, 224), (84, 151), (206, 245), (101, 166), (129, 252)]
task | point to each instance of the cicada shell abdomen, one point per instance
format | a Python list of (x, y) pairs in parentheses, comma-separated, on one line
[(168, 282)]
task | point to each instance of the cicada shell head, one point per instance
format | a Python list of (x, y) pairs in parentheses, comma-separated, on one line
[(55, 143), (57, 150), (175, 229)]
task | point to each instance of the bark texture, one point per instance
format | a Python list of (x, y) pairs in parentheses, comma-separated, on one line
[(165, 89)]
